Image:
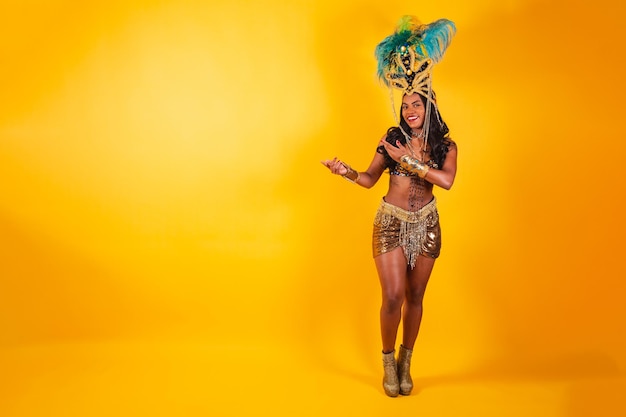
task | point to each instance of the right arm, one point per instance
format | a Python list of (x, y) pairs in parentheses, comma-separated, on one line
[(370, 177), (366, 178)]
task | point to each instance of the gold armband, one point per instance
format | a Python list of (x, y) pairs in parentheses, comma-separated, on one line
[(413, 165), (352, 175)]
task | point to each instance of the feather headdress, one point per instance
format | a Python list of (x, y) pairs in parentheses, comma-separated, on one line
[(405, 58)]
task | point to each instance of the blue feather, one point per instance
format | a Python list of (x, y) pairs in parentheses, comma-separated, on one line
[(430, 41), (436, 37)]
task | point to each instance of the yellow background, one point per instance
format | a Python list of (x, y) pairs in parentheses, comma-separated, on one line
[(170, 244)]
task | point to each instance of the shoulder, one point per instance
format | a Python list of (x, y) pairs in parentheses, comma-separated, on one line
[(450, 144)]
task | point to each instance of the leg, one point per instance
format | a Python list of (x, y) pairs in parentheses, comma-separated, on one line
[(412, 314), (418, 278), (392, 272)]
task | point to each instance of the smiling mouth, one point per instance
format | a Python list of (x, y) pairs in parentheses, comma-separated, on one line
[(411, 118)]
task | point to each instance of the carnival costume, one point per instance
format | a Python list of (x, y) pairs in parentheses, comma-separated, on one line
[(405, 62)]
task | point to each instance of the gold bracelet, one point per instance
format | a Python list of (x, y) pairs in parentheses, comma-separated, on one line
[(352, 175), (413, 165)]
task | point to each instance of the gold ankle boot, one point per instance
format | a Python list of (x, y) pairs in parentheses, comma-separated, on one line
[(390, 380), (404, 370)]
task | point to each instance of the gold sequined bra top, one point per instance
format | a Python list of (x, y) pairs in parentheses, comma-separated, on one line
[(398, 170)]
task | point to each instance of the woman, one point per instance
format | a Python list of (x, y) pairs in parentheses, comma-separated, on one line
[(407, 236)]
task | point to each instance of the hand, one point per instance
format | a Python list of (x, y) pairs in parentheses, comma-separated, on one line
[(336, 166), (395, 152)]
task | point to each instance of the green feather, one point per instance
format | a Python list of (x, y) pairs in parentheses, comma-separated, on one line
[(429, 41)]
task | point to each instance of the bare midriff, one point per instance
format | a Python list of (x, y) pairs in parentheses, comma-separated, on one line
[(400, 189)]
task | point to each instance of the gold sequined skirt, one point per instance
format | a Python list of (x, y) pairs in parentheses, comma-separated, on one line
[(417, 232)]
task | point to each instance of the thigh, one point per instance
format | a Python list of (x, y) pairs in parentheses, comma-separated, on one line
[(392, 271), (418, 277)]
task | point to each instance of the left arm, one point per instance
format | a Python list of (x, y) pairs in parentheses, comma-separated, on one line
[(443, 177)]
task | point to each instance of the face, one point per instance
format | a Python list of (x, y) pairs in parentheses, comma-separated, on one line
[(413, 111)]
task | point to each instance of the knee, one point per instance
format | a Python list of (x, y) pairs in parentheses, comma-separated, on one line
[(415, 298), (392, 303)]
